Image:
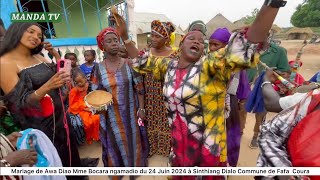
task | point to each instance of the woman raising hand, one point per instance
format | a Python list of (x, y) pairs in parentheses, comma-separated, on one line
[(157, 126)]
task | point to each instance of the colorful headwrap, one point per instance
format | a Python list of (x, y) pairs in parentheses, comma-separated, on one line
[(201, 23), (172, 38), (185, 36), (293, 64), (221, 34), (102, 35), (164, 29)]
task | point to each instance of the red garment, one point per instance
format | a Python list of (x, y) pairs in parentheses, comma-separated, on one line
[(303, 143), (45, 110), (187, 148), (91, 122), (276, 87), (299, 79)]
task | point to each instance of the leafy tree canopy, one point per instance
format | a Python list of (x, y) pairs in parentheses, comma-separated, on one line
[(250, 18), (307, 14)]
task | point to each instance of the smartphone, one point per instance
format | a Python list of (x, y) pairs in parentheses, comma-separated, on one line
[(64, 65)]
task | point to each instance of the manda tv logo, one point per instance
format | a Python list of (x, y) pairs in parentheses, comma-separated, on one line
[(35, 17)]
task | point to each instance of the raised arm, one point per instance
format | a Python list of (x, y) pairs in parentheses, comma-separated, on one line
[(121, 28), (156, 65), (264, 20), (51, 50)]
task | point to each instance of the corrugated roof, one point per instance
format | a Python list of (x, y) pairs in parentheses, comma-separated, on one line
[(143, 22)]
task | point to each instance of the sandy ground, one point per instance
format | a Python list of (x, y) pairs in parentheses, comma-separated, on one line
[(248, 157)]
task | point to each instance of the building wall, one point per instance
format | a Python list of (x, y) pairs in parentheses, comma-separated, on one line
[(77, 27), (300, 36), (142, 41)]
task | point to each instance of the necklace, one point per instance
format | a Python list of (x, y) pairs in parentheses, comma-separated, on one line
[(116, 69)]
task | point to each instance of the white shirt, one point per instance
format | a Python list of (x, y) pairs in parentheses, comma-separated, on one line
[(289, 101)]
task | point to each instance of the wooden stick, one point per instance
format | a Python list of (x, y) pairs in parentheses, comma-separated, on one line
[(285, 82)]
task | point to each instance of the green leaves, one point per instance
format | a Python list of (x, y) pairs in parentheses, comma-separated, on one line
[(250, 18), (307, 14)]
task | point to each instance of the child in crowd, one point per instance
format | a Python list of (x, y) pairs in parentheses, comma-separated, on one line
[(74, 63), (86, 68), (78, 107), (295, 76), (73, 58), (123, 52), (89, 57)]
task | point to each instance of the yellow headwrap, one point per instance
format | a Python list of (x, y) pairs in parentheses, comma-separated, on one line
[(172, 38)]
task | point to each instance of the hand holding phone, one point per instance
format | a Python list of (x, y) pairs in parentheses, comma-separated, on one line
[(64, 65)]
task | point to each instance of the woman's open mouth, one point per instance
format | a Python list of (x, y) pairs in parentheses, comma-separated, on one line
[(194, 48)]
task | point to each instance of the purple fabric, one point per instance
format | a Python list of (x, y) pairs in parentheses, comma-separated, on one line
[(233, 132), (221, 34), (244, 86)]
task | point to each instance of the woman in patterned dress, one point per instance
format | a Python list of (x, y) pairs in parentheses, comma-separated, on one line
[(195, 90), (31, 89), (157, 124), (124, 143)]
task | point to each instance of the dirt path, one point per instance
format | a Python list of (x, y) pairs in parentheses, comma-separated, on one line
[(248, 157)]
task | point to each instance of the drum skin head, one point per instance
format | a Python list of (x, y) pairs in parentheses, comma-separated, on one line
[(98, 98)]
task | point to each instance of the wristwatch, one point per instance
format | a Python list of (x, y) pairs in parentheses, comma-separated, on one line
[(275, 3)]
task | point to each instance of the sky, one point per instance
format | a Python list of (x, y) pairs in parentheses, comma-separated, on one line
[(183, 12)]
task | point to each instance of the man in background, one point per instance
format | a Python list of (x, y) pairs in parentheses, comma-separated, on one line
[(273, 56)]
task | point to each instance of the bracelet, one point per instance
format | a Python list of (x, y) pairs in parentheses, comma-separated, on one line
[(264, 83), (5, 163), (35, 92), (143, 110)]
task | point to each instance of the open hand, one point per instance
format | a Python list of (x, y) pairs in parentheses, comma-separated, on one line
[(121, 26), (48, 46)]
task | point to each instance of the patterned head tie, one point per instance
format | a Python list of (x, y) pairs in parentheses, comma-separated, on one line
[(163, 29), (200, 23), (188, 34), (102, 35)]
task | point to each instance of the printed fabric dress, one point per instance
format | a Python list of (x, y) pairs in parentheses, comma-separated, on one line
[(124, 143), (159, 132), (46, 115), (195, 101)]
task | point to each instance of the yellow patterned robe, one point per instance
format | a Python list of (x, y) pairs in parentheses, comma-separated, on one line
[(195, 100)]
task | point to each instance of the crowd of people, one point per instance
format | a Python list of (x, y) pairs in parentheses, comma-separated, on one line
[(192, 99)]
